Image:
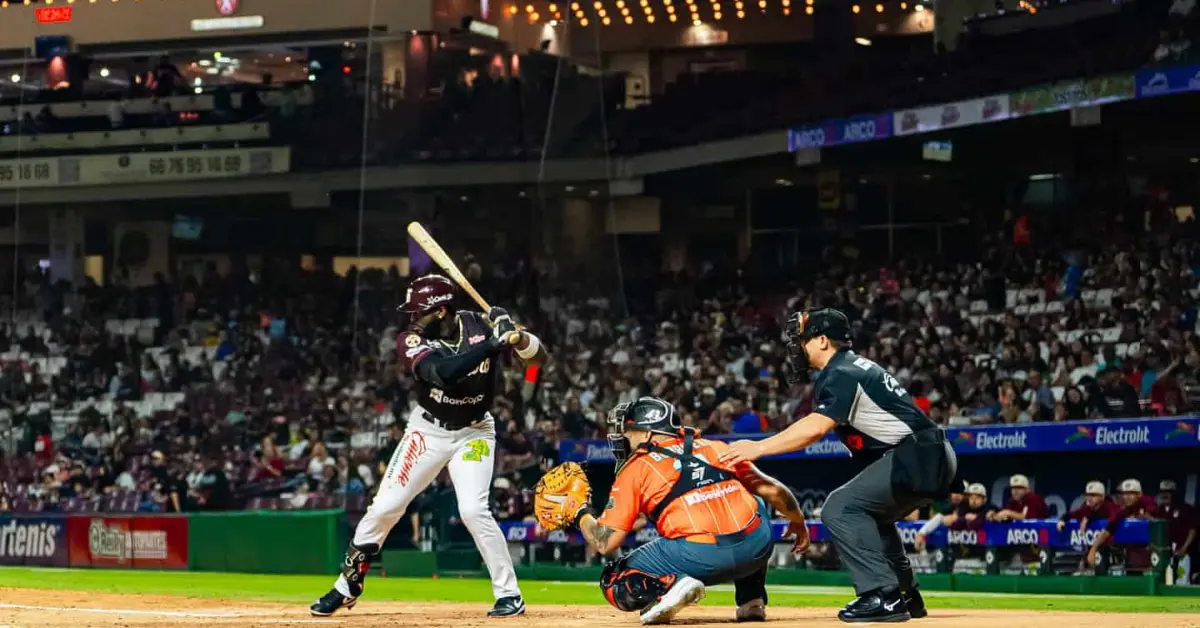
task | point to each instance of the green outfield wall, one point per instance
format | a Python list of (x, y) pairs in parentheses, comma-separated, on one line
[(293, 542)]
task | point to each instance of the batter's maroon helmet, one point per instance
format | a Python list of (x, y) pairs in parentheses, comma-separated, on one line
[(427, 294)]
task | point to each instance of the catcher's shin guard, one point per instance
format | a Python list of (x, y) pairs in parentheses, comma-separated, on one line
[(632, 590), (355, 566)]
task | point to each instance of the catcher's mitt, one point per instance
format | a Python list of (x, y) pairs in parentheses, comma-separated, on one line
[(561, 496)]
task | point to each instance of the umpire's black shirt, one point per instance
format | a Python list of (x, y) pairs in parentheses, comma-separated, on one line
[(872, 410)]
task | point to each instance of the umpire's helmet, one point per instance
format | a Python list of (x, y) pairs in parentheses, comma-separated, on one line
[(426, 294), (805, 325)]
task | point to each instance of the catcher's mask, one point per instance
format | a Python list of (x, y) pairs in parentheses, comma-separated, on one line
[(425, 298), (648, 414), (805, 325)]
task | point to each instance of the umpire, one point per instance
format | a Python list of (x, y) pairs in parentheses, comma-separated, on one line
[(905, 462)]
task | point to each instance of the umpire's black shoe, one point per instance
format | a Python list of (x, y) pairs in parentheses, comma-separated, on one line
[(915, 603), (880, 605), (330, 603), (508, 607)]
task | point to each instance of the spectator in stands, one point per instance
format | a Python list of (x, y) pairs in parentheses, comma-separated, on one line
[(268, 461), (5, 502), (1113, 397), (1038, 396), (99, 438), (213, 491), (1023, 503), (167, 79), (318, 461)]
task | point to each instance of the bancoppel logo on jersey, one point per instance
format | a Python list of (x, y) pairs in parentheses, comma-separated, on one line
[(440, 397), (699, 498)]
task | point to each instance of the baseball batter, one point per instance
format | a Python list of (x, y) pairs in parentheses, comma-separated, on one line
[(713, 523), (454, 357)]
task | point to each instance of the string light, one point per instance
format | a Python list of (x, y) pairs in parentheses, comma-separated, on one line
[(903, 6), (553, 8), (879, 8), (583, 21), (529, 8), (606, 21), (762, 4), (855, 9), (808, 10), (672, 17), (649, 19), (741, 14)]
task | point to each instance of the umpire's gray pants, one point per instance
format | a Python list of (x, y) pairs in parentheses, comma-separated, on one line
[(861, 517)]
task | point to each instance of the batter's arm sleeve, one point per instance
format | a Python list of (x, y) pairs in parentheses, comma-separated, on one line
[(443, 370)]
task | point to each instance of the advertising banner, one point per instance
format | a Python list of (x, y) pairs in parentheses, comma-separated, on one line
[(990, 439), (1030, 532), (1163, 81), (1071, 94), (158, 542), (843, 131), (39, 541), (186, 165), (951, 115)]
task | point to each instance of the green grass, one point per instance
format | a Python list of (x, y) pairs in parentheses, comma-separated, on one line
[(303, 589)]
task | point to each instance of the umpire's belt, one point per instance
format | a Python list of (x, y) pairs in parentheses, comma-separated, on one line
[(726, 539)]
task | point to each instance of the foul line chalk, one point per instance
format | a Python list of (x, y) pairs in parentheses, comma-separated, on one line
[(118, 611)]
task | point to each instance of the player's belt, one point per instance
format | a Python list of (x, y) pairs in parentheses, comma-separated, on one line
[(727, 539), (445, 425)]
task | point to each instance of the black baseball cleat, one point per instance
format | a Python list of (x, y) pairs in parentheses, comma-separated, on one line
[(879, 606), (915, 603), (511, 606), (330, 603)]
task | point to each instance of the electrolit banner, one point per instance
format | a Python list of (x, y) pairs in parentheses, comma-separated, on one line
[(843, 131), (1043, 533), (991, 439), (1163, 81)]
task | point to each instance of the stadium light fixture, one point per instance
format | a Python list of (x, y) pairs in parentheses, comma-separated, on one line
[(862, 41), (104, 72), (16, 78)]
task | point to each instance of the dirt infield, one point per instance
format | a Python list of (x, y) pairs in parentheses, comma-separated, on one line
[(23, 608)]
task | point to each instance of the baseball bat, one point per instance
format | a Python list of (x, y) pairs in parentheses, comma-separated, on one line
[(439, 257)]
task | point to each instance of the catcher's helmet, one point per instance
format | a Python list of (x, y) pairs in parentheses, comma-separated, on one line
[(648, 414), (426, 294)]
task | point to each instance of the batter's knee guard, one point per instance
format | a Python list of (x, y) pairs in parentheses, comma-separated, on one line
[(355, 566), (632, 590)]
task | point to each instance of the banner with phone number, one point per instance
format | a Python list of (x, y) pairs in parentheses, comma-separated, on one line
[(1041, 533), (988, 439)]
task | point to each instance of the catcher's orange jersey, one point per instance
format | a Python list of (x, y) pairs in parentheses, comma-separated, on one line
[(721, 508)]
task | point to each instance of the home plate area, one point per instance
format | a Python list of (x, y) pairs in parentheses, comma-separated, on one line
[(22, 608)]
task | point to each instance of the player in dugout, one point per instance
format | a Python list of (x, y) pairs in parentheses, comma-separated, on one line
[(712, 518)]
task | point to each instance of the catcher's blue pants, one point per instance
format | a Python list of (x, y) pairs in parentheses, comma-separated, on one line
[(732, 557)]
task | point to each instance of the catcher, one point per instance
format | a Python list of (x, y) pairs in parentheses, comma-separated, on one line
[(712, 519)]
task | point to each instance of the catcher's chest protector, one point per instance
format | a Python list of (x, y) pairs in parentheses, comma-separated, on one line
[(694, 474)]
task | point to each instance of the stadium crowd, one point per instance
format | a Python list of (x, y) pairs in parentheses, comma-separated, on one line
[(274, 388)]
